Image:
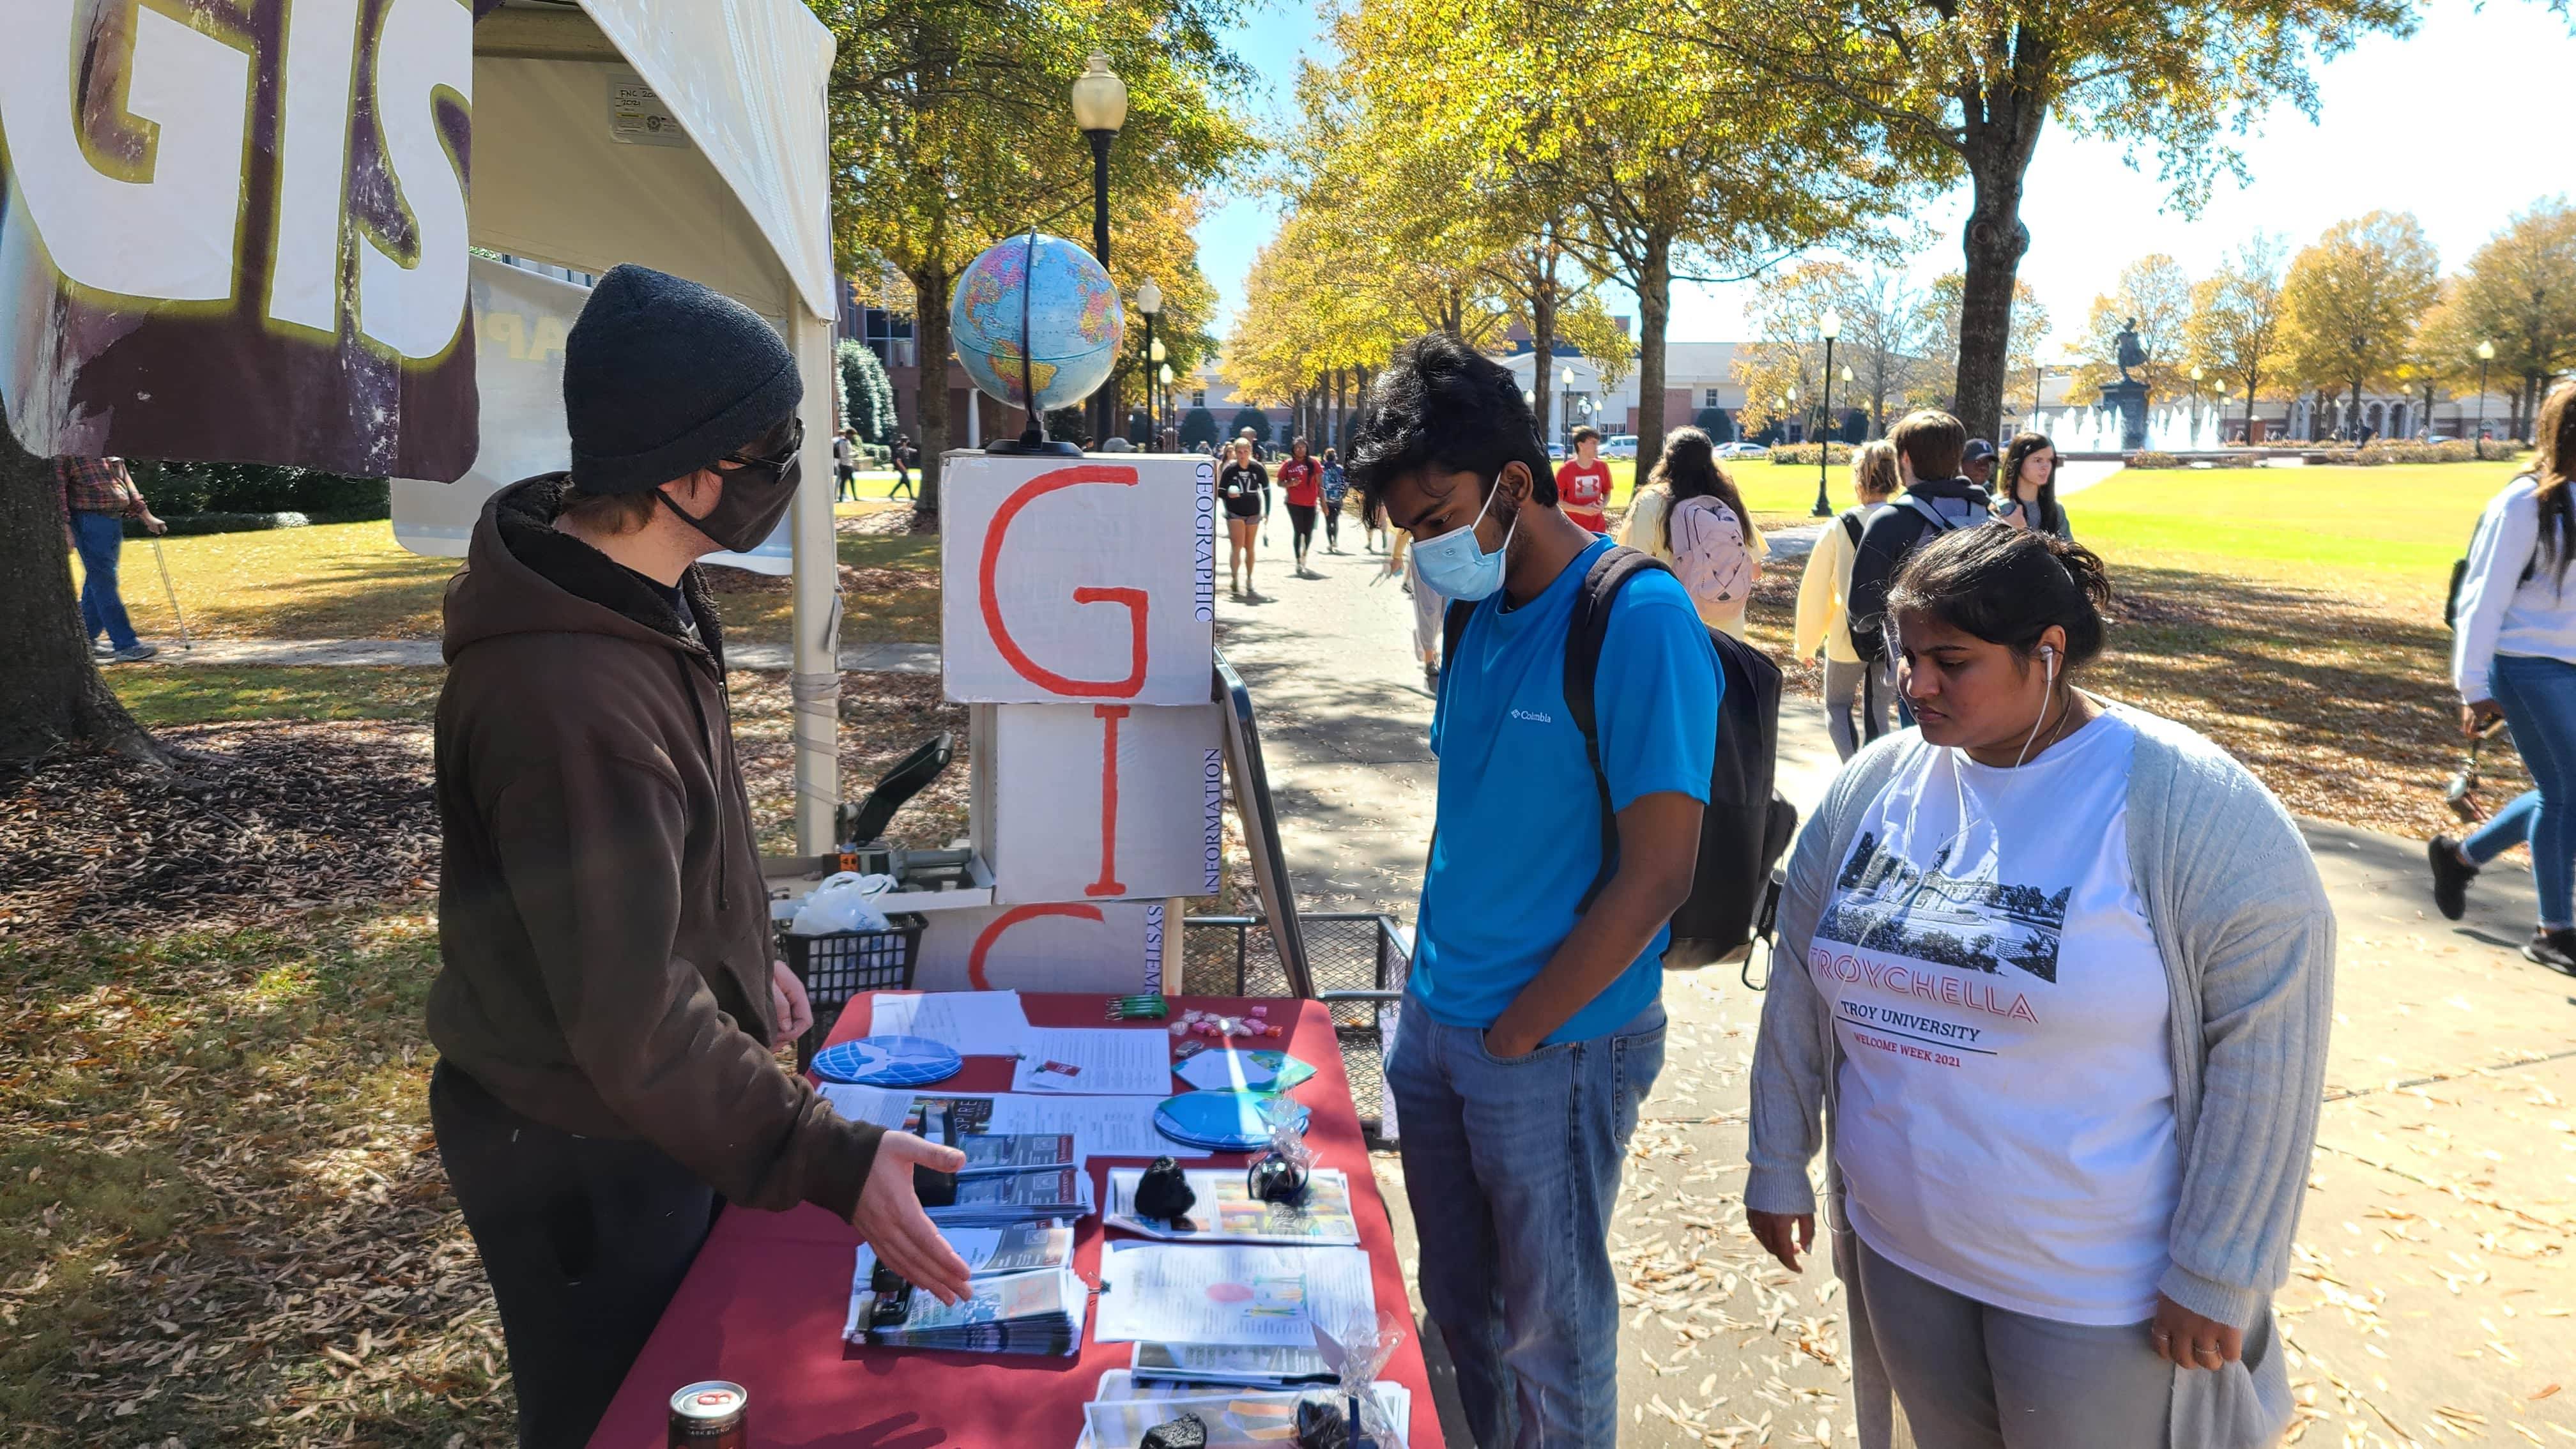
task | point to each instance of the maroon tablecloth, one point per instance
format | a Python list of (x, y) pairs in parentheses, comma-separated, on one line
[(764, 1304)]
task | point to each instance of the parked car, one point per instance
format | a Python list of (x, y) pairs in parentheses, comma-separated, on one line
[(1622, 446), (1742, 450)]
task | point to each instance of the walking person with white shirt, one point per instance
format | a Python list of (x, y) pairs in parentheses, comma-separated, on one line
[(1851, 683), (2513, 658), (2057, 981)]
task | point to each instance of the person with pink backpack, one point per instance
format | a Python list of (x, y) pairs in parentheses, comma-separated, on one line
[(1707, 536)]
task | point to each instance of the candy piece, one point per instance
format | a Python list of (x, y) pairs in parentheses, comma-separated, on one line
[(1180, 1028), (1261, 1011), (1270, 1031)]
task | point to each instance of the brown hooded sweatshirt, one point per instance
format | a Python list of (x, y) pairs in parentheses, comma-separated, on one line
[(601, 913)]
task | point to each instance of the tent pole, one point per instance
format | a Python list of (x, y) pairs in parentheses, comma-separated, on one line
[(815, 684)]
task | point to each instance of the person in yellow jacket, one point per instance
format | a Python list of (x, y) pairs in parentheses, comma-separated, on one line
[(1824, 623)]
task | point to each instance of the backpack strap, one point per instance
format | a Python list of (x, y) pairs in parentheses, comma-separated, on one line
[(1453, 627), (1852, 526), (1930, 514), (1584, 634)]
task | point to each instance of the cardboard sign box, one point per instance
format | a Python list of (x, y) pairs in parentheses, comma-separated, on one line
[(1077, 580), (1098, 802), (1113, 947)]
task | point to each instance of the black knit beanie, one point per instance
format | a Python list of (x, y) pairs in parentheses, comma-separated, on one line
[(663, 377)]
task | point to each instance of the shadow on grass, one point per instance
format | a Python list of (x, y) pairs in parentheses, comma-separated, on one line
[(236, 1229)]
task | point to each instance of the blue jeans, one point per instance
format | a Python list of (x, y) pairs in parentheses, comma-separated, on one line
[(2538, 697), (98, 536), (1512, 1168)]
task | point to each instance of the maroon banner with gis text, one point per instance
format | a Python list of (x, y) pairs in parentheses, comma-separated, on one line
[(236, 229)]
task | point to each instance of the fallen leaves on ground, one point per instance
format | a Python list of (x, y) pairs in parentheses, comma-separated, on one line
[(254, 821)]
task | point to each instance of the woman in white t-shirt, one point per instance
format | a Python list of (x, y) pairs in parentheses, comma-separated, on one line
[(2513, 657), (2059, 982)]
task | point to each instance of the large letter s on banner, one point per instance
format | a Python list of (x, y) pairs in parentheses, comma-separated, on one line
[(1133, 600)]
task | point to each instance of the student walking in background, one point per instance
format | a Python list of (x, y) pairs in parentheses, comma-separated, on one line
[(2030, 486), (1243, 486), (845, 478), (1852, 684), (1709, 539), (2055, 991), (2513, 657), (98, 496), (1583, 482), (1301, 483), (1977, 461), (1429, 608), (1533, 1021), (904, 456), (1938, 499), (1337, 486)]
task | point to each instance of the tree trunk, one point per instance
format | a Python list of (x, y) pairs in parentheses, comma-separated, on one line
[(1992, 245), (1654, 317), (50, 692), (931, 346)]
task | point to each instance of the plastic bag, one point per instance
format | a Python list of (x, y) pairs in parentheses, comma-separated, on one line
[(843, 902)]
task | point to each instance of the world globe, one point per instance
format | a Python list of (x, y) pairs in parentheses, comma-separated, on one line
[(1041, 307)]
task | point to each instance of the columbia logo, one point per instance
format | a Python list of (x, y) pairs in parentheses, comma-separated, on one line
[(1533, 718)]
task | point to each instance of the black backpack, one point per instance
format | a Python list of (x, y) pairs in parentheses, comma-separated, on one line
[(1746, 827)]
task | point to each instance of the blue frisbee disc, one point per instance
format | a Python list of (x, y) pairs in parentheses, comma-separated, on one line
[(888, 1061), (1223, 1121)]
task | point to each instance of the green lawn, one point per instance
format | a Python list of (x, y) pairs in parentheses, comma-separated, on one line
[(352, 581), (2389, 533)]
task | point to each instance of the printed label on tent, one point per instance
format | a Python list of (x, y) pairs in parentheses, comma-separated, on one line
[(1104, 802), (1071, 580), (637, 116), (1110, 946)]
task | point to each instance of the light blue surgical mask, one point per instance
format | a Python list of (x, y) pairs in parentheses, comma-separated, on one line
[(1455, 567)]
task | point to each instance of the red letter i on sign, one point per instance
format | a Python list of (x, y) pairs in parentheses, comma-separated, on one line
[(1109, 716)]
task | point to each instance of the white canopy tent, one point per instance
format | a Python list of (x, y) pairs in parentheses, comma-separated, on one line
[(686, 138)]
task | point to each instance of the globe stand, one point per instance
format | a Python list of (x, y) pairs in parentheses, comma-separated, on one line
[(1033, 443)]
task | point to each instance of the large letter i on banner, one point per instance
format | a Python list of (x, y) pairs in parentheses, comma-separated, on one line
[(1108, 885)]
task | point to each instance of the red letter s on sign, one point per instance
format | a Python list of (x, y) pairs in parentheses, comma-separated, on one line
[(1133, 600)]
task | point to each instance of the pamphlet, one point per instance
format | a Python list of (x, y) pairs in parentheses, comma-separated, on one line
[(1095, 1061), (992, 1252), (1121, 1413), (1207, 1363), (1229, 1293), (1227, 1212), (1243, 1071), (969, 1023), (1033, 1313)]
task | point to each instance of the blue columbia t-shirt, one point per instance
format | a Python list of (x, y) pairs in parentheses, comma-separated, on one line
[(1519, 827)]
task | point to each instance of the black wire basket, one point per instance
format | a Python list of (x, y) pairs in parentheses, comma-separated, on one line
[(838, 965)]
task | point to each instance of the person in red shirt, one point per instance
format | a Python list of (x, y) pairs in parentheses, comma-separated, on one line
[(1302, 479), (1583, 483)]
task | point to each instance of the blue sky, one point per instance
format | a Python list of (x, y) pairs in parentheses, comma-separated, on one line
[(2464, 124)]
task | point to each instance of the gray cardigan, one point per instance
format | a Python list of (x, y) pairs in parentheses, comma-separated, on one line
[(2247, 938)]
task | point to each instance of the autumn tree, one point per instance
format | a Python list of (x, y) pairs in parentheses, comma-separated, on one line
[(2518, 291), (1780, 371), (1963, 89), (2235, 327), (2154, 292), (2351, 303), (1704, 174), (950, 131)]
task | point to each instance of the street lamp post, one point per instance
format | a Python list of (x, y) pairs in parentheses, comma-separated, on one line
[(1149, 300), (1831, 327), (1164, 372), (2486, 354), (1565, 390), (1099, 108)]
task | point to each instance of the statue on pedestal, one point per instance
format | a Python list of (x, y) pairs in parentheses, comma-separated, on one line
[(2129, 353), (2128, 396)]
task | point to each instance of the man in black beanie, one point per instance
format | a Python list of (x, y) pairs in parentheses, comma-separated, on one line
[(608, 1008)]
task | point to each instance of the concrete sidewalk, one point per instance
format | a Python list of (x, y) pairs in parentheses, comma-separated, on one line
[(895, 658), (2430, 1296)]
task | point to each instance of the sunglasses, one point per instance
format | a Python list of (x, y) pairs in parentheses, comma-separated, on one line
[(777, 462)]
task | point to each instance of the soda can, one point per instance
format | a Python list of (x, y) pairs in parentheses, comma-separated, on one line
[(710, 1415)]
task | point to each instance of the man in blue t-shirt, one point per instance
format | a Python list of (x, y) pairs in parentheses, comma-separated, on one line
[(1533, 1029)]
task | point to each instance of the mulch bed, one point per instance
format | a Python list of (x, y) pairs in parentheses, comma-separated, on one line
[(252, 823)]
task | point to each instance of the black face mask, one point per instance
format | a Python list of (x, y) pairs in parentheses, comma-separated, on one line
[(755, 496)]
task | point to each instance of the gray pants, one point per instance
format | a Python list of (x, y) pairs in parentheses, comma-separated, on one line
[(1868, 689), (1972, 1376)]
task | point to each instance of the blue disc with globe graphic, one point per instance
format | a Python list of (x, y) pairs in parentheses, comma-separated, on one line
[(1042, 306)]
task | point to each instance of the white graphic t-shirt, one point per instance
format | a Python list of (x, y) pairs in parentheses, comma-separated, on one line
[(2006, 1123)]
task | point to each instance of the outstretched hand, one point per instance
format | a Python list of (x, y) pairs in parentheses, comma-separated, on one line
[(1783, 1235), (889, 1216)]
